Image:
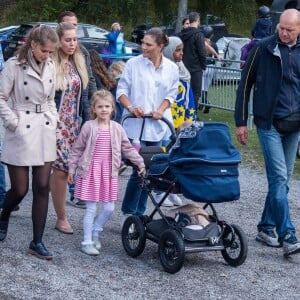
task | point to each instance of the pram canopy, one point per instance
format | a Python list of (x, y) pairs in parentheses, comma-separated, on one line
[(205, 163)]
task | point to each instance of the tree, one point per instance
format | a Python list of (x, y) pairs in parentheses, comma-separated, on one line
[(182, 11)]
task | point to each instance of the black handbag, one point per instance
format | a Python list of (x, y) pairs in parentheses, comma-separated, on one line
[(288, 124)]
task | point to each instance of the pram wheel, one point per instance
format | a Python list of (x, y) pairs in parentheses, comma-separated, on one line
[(236, 245), (171, 251), (133, 236)]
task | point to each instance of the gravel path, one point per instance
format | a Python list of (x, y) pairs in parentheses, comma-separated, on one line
[(114, 275)]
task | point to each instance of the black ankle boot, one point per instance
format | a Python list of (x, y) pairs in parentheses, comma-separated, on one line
[(3, 230), (39, 250)]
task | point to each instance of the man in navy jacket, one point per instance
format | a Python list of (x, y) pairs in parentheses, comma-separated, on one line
[(273, 70)]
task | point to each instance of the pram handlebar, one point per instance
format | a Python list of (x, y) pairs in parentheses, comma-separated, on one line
[(149, 116)]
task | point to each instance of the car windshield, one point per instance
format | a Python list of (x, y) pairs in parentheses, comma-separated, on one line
[(22, 30), (95, 32), (210, 19), (80, 32)]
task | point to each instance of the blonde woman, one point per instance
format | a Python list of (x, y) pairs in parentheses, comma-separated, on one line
[(73, 107)]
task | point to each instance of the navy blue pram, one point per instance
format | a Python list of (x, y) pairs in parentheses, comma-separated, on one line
[(205, 163), (202, 164)]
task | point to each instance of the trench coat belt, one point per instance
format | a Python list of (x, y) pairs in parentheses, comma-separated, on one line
[(37, 108)]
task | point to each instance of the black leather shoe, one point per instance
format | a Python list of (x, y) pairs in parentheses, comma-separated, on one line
[(40, 251), (3, 230)]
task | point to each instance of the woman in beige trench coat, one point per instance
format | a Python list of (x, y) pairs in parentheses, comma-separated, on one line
[(30, 123)]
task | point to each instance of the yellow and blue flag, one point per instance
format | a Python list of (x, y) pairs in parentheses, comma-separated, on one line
[(183, 108)]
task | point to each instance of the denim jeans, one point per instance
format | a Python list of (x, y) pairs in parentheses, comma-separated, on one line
[(71, 188), (279, 153), (135, 198)]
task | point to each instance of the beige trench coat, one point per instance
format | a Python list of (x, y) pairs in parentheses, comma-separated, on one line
[(30, 115)]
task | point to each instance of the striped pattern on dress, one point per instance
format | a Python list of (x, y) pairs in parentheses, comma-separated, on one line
[(98, 184)]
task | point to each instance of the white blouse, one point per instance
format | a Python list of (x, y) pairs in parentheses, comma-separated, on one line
[(147, 87)]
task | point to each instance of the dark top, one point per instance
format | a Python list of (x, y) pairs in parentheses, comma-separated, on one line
[(262, 28), (194, 54), (274, 70)]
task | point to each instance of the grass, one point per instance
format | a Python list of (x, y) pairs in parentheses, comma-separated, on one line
[(251, 153)]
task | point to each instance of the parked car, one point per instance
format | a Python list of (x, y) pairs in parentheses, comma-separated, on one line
[(4, 33), (91, 36), (217, 24)]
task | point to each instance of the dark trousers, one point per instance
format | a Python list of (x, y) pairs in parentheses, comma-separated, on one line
[(196, 83)]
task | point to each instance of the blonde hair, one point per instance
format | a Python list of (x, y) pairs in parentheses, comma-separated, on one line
[(117, 66), (101, 94), (77, 58)]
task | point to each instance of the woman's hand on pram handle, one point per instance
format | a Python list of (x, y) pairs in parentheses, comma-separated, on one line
[(136, 111), (157, 115), (142, 171)]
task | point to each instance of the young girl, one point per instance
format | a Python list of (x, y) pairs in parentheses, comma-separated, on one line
[(96, 158), (116, 69)]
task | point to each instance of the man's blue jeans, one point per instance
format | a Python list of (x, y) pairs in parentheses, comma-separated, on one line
[(135, 198), (279, 153)]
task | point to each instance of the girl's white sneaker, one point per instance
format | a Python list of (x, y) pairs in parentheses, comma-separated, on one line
[(89, 249), (97, 242)]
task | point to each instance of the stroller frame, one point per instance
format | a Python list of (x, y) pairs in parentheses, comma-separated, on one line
[(173, 239)]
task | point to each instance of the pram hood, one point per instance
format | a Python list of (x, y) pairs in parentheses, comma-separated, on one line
[(208, 142), (205, 163)]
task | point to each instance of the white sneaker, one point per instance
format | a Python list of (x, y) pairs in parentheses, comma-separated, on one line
[(89, 249), (175, 199), (166, 203), (97, 242)]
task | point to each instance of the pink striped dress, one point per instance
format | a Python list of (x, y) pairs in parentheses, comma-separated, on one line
[(98, 184)]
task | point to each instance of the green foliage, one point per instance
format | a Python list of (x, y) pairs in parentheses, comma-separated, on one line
[(238, 15), (37, 10)]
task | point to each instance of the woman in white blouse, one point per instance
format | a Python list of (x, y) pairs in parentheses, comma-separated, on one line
[(148, 85)]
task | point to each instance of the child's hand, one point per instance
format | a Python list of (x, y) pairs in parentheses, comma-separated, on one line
[(71, 178), (142, 171)]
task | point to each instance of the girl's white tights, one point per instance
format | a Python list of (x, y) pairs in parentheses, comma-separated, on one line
[(91, 225)]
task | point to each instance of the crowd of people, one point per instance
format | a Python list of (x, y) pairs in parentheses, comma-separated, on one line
[(65, 112)]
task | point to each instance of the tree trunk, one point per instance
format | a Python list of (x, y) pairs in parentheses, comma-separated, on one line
[(182, 11)]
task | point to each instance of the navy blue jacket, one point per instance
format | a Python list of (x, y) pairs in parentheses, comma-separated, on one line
[(263, 70), (262, 28)]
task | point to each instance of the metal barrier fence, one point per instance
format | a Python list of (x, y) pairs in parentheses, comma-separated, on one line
[(226, 76)]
